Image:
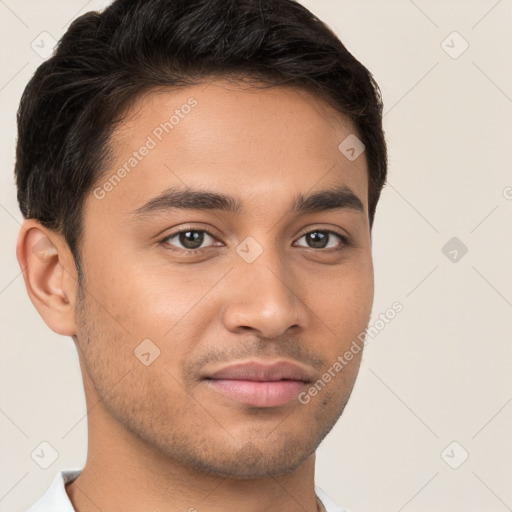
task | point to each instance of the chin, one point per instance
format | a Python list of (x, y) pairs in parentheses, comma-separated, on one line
[(255, 459)]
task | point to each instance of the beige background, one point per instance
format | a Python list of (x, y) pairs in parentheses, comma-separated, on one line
[(440, 371)]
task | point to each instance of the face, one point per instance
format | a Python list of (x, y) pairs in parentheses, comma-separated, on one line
[(206, 321)]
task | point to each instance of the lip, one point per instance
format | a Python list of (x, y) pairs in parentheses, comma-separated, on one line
[(260, 384)]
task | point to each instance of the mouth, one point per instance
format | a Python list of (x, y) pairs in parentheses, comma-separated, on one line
[(259, 384)]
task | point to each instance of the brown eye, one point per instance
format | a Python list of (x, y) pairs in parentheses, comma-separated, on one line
[(189, 239), (322, 239)]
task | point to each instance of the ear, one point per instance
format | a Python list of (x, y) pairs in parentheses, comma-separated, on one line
[(50, 275)]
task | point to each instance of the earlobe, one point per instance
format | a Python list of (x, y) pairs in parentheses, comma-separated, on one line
[(49, 275)]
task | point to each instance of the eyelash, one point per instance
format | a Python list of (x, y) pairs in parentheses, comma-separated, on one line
[(191, 252)]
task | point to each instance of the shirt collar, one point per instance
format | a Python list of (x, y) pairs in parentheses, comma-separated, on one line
[(55, 499)]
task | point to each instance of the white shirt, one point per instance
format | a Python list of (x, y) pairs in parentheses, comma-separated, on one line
[(55, 499)]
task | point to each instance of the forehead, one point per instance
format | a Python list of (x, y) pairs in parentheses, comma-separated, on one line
[(264, 143)]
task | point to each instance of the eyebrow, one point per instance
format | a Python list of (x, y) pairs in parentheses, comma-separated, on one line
[(177, 198)]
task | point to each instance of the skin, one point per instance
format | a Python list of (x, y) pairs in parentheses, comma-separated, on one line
[(160, 437)]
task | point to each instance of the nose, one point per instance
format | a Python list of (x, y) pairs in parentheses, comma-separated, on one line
[(265, 297)]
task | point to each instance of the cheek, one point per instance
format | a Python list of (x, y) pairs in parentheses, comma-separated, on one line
[(344, 299), (143, 297)]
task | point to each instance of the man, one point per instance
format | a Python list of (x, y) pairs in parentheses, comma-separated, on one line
[(199, 180)]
